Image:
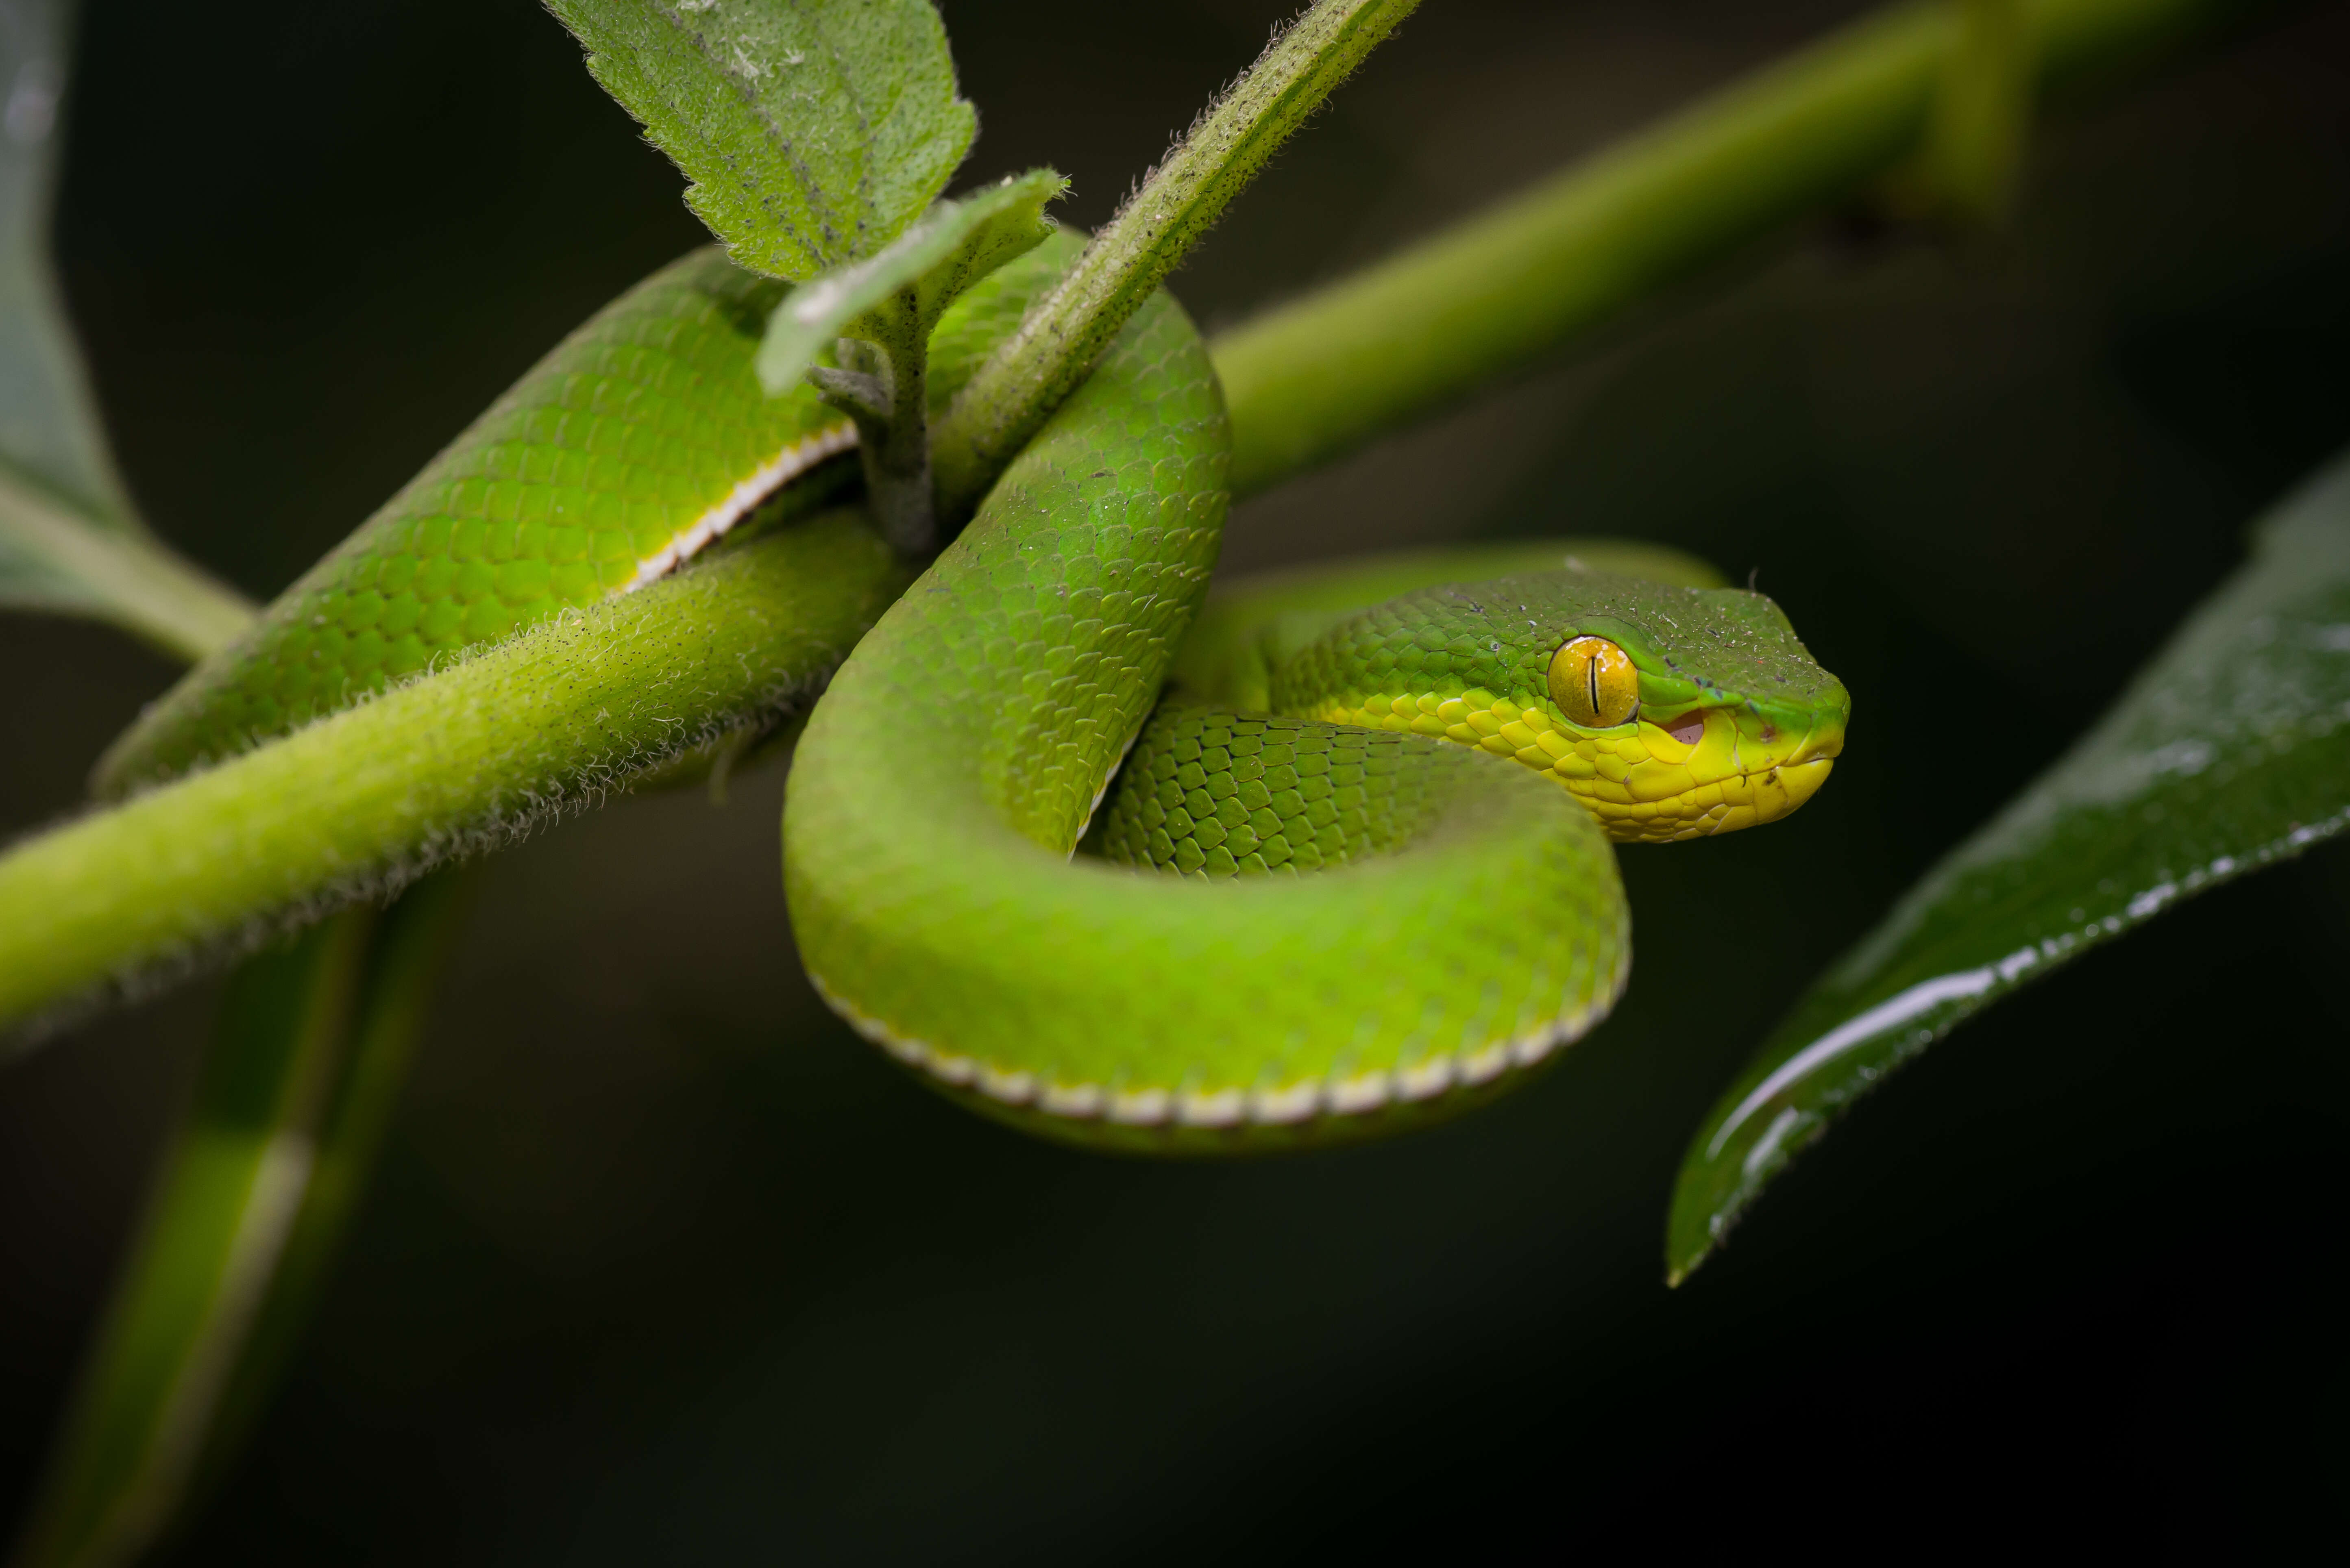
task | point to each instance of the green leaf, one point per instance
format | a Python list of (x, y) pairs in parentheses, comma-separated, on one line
[(955, 246), (2230, 752), (814, 130)]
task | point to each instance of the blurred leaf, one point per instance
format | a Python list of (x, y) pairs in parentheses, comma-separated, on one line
[(814, 130), (55, 558), (48, 428), (2230, 752), (955, 246), (248, 1206), (69, 541)]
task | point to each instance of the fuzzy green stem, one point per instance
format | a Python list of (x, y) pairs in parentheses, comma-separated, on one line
[(882, 383), (1315, 378), (1011, 396), (479, 751)]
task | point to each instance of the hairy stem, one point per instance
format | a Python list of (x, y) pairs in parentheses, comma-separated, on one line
[(479, 751), (1025, 379), (1317, 377), (882, 383)]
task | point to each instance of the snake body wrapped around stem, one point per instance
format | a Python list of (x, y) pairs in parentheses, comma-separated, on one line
[(1439, 909)]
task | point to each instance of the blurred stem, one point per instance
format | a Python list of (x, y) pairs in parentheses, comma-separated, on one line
[(216, 1222), (1010, 397), (121, 574), (1317, 377), (1982, 111), (407, 952), (307, 1061)]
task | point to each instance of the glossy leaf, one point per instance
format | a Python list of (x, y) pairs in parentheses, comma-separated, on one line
[(814, 130), (955, 246), (2230, 752)]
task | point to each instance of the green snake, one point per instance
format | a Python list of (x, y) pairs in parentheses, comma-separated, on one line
[(1327, 857)]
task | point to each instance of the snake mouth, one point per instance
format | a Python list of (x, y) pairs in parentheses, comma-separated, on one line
[(1823, 743), (1733, 778), (1776, 787), (1779, 791)]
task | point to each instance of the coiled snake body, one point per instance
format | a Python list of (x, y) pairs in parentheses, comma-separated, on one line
[(1381, 798)]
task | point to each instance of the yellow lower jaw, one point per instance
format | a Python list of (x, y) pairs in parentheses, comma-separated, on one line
[(1747, 800), (1643, 785)]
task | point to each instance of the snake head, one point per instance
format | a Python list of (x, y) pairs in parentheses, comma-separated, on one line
[(1669, 711), (1733, 725)]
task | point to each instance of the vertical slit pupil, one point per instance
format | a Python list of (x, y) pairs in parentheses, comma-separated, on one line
[(1591, 679)]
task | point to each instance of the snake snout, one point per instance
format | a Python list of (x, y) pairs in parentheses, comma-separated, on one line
[(1823, 742), (1793, 777), (1788, 786)]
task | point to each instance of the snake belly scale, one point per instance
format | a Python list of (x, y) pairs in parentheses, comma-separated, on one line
[(1352, 873)]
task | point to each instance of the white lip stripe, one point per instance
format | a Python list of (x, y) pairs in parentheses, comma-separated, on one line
[(741, 501)]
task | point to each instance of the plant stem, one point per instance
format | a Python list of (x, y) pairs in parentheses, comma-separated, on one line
[(477, 752), (203, 1262), (408, 950), (1981, 113), (882, 384), (1012, 394), (1322, 376)]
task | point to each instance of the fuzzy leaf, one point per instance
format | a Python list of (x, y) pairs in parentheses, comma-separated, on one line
[(2231, 751), (814, 130), (955, 244)]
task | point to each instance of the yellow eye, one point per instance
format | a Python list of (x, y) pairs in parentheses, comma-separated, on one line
[(1594, 683)]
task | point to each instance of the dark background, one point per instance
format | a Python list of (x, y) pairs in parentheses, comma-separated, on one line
[(664, 1265)]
